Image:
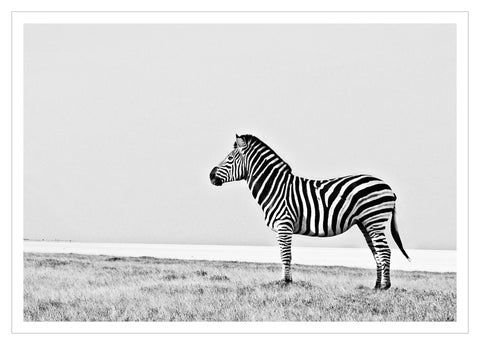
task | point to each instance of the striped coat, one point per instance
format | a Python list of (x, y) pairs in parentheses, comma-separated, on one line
[(322, 208)]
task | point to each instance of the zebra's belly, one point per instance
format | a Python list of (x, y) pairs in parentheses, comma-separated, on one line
[(304, 226)]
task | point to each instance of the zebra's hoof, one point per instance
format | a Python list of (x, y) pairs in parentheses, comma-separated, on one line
[(377, 287), (287, 281), (386, 286)]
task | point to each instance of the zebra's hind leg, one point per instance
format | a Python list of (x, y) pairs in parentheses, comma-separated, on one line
[(375, 256), (374, 233)]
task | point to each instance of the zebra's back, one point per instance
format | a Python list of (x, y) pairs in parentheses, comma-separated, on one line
[(330, 207)]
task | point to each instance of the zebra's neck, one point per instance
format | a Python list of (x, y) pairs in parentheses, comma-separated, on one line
[(267, 175)]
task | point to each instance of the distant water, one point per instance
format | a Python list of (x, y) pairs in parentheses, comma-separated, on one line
[(422, 260)]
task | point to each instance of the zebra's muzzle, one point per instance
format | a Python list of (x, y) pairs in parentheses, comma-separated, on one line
[(214, 179)]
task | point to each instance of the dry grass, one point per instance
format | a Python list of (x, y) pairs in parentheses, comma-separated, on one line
[(68, 287)]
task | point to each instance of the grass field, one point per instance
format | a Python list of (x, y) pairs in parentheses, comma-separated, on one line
[(69, 287)]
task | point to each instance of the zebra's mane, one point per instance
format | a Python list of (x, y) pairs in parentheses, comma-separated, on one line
[(253, 139)]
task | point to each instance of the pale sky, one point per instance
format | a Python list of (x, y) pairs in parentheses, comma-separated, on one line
[(123, 124)]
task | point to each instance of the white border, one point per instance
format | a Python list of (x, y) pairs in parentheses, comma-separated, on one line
[(458, 18)]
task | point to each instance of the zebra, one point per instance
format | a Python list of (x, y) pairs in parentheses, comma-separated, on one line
[(294, 205)]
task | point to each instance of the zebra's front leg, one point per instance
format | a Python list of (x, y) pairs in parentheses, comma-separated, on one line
[(284, 238)]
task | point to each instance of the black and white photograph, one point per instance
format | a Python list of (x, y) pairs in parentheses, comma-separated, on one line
[(241, 171)]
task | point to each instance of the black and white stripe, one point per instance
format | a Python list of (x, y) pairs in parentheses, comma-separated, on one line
[(322, 208)]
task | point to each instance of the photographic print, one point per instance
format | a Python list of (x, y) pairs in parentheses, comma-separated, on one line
[(240, 171)]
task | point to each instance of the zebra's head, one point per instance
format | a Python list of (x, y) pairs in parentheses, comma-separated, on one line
[(233, 167)]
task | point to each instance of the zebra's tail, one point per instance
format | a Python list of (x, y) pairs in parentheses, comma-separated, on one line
[(396, 235)]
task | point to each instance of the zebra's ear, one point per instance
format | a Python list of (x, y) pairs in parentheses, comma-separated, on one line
[(240, 141)]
